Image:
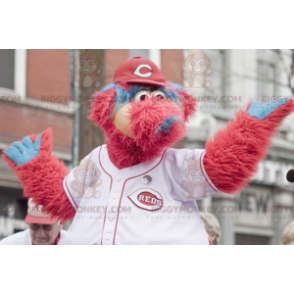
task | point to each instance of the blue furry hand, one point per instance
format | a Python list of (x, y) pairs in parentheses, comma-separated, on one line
[(25, 151), (262, 111), (166, 124)]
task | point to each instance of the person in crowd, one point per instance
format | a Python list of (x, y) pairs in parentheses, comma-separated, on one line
[(288, 234), (43, 229), (212, 227)]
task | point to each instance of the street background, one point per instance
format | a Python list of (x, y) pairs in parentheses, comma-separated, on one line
[(51, 88)]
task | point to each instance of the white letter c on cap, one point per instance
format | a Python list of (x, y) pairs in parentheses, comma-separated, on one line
[(145, 75)]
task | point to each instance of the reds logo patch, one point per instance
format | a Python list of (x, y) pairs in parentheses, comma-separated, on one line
[(147, 199), (139, 73)]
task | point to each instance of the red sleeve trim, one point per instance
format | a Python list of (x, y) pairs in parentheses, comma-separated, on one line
[(204, 173)]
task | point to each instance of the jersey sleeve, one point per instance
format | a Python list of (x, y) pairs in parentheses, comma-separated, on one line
[(20, 238), (7, 241), (74, 183), (184, 171)]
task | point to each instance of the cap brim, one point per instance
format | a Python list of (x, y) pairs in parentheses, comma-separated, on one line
[(148, 82), (40, 220)]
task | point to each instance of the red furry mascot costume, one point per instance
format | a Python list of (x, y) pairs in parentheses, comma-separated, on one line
[(135, 189)]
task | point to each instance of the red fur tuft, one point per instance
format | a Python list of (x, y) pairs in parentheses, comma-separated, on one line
[(102, 107), (189, 104), (46, 142), (188, 101), (232, 156), (42, 179), (145, 118)]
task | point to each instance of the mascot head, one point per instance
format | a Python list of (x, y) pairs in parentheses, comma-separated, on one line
[(141, 113)]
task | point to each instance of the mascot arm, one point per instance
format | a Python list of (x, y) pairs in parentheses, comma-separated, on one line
[(232, 156), (40, 173)]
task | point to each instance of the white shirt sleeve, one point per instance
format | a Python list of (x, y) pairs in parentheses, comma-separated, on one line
[(24, 238), (62, 237), (185, 173), (20, 238)]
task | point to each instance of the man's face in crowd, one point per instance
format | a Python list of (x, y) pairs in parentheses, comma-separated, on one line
[(44, 234)]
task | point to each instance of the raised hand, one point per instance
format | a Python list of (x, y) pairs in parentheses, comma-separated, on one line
[(262, 111), (232, 156), (25, 151)]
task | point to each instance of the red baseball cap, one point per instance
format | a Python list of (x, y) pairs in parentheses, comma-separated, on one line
[(139, 70), (36, 216)]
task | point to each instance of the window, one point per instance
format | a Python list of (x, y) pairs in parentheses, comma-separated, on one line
[(13, 72), (266, 73), (218, 77), (7, 60)]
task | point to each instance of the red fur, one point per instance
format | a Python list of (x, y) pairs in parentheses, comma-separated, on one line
[(187, 101), (232, 156), (145, 118), (42, 179), (102, 107), (189, 104)]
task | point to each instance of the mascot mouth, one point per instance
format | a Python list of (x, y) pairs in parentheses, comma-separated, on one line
[(149, 120), (197, 69), (150, 125)]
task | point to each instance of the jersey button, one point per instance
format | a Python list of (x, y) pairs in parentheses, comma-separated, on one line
[(107, 236), (111, 218), (118, 177)]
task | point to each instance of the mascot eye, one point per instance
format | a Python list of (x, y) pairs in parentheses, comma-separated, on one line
[(91, 63), (201, 63), (192, 63), (91, 173), (141, 96), (158, 94), (82, 63), (192, 174), (82, 173)]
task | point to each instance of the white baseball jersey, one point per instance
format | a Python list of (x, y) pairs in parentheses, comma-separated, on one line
[(24, 238), (151, 203)]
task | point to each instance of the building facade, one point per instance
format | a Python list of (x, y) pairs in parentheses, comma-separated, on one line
[(27, 79), (259, 213)]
